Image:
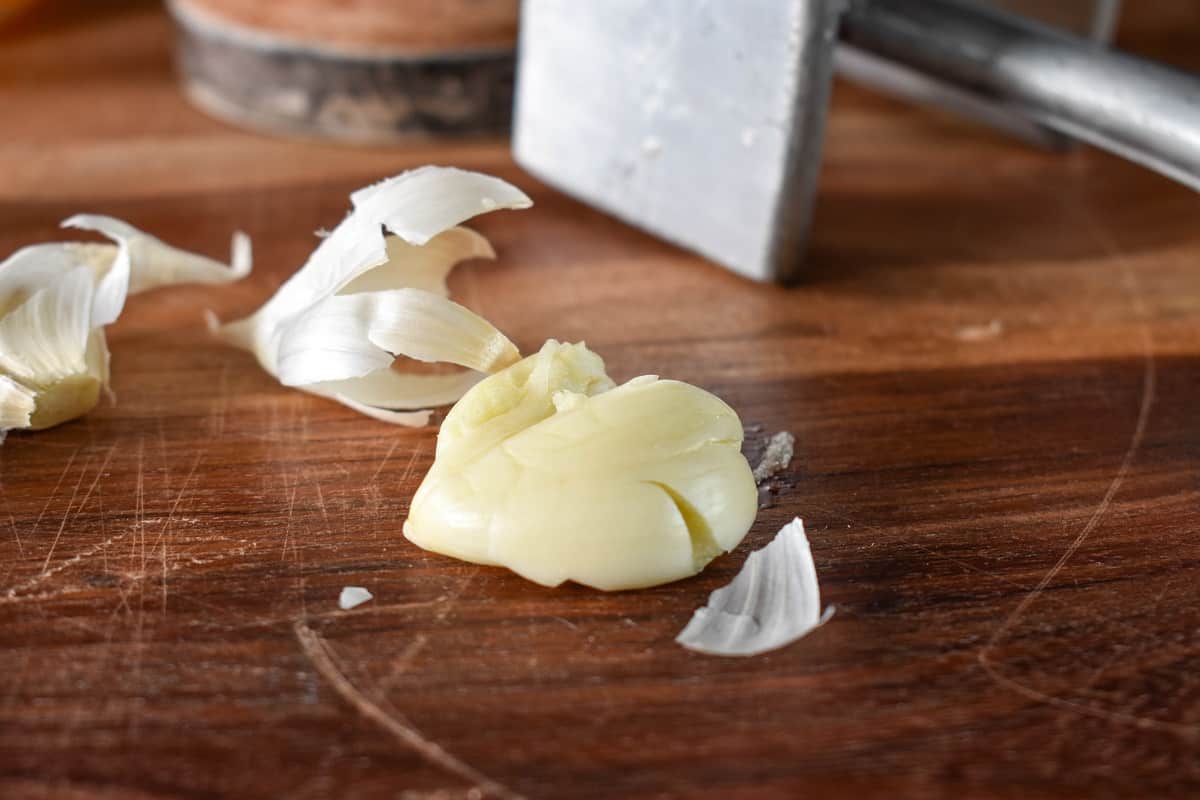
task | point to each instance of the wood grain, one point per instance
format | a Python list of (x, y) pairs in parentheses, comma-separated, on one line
[(992, 374)]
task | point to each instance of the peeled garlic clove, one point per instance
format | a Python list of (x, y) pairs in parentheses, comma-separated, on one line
[(365, 297), (548, 469)]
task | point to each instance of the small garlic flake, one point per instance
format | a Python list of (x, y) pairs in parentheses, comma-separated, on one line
[(774, 600), (352, 597)]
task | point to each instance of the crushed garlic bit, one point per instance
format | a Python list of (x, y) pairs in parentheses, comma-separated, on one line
[(776, 458), (352, 597), (774, 600), (549, 469), (55, 300), (375, 288)]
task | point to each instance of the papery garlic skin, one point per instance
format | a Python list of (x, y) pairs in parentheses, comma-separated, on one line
[(548, 469), (375, 288), (774, 600), (55, 300)]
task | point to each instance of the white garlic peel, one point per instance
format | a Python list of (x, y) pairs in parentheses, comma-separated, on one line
[(375, 288), (774, 600), (548, 469), (55, 300)]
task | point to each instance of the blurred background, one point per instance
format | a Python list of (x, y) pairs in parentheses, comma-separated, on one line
[(201, 81)]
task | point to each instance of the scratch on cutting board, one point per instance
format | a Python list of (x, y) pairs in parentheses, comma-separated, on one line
[(166, 526), (383, 463), (12, 521), (216, 419), (54, 491), (164, 457), (139, 504), (323, 507), (136, 531), (404, 661), (448, 602), (408, 469), (66, 515), (287, 530), (86, 497), (1099, 671), (97, 670), (1146, 403), (391, 720), (14, 593)]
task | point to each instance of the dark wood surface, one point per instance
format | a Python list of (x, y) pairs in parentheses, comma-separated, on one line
[(992, 373)]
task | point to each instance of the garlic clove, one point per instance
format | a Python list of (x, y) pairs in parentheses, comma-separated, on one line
[(549, 470)]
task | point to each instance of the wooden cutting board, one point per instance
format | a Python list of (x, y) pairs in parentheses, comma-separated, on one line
[(992, 373)]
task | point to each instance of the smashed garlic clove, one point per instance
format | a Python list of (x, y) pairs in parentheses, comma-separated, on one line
[(548, 469), (774, 600), (365, 297), (55, 300)]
